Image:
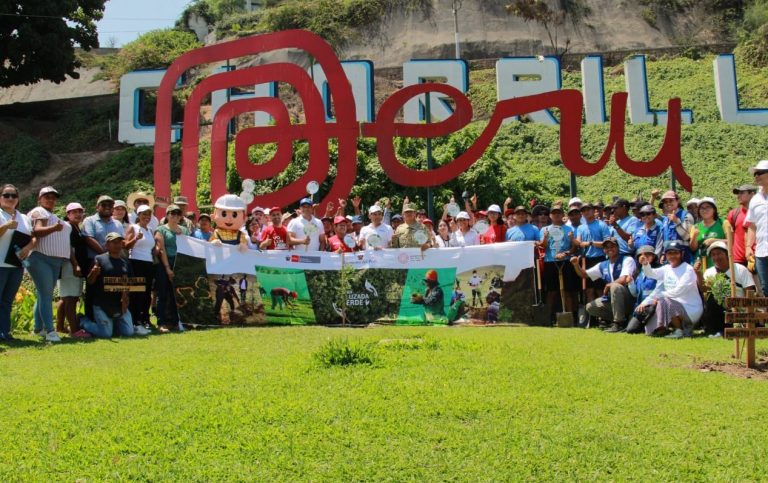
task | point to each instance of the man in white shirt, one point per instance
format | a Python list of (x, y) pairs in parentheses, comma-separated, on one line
[(308, 226), (376, 227), (617, 303), (756, 222), (714, 313)]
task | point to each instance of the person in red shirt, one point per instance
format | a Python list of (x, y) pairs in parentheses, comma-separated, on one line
[(276, 236), (736, 216), (497, 230), (336, 242)]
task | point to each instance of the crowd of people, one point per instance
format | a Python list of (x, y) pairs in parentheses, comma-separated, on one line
[(639, 266)]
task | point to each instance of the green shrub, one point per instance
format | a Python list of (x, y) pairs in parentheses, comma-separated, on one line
[(342, 352), (152, 50), (22, 159), (754, 49)]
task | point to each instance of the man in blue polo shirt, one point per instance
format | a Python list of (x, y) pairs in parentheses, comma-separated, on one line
[(623, 225), (522, 231), (95, 230), (590, 236)]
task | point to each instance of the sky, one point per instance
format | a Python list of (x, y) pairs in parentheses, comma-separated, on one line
[(124, 20)]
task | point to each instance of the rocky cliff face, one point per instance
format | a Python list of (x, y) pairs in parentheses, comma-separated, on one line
[(486, 30)]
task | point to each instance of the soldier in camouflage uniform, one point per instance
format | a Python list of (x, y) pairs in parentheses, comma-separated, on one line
[(404, 234)]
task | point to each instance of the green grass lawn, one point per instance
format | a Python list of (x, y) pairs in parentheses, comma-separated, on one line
[(466, 404)]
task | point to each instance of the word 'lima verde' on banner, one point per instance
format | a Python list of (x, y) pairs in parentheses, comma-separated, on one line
[(220, 285), (317, 130)]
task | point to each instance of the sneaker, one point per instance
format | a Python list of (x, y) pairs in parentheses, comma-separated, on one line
[(715, 336), (41, 333), (614, 328), (52, 336), (81, 334), (140, 330), (676, 334)]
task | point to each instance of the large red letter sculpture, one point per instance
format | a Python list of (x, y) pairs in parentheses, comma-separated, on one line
[(316, 131)]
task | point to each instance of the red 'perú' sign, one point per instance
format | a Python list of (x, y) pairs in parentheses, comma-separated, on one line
[(346, 129)]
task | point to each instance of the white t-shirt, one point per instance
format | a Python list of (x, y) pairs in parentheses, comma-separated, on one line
[(679, 284), (153, 222), (297, 227), (142, 249), (757, 214), (384, 232), (459, 239), (475, 281), (743, 277), (628, 267), (24, 226)]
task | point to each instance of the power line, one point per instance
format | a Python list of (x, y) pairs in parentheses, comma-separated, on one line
[(29, 15)]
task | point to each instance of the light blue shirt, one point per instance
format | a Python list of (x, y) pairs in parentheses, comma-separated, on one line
[(597, 231), (526, 232), (94, 227)]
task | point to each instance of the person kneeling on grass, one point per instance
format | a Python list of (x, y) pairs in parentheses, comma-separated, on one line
[(110, 308), (616, 303), (641, 288), (714, 313), (676, 296)]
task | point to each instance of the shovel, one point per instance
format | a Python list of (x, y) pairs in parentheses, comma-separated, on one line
[(564, 319), (583, 315), (542, 313)]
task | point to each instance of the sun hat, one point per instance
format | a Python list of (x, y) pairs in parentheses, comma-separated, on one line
[(761, 165), (74, 206), (645, 249), (718, 244), (669, 195), (745, 187), (47, 190), (140, 195), (182, 200), (709, 200)]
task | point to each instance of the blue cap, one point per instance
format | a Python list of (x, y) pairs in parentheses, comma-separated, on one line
[(357, 219), (305, 201), (673, 245)]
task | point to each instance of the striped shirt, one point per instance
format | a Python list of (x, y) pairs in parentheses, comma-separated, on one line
[(56, 243)]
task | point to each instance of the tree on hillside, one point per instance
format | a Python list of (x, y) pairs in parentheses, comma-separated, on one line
[(552, 19), (38, 38)]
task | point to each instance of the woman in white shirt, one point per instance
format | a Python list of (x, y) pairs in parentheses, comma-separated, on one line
[(677, 299), (13, 224), (51, 252), (139, 240), (465, 235)]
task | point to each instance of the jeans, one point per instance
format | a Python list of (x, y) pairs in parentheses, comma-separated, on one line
[(103, 326), (10, 281), (44, 271), (761, 266), (167, 312)]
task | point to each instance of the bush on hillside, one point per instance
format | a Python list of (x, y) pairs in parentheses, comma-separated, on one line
[(152, 50), (754, 49), (22, 159)]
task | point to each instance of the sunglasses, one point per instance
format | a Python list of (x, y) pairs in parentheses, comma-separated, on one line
[(174, 213), (760, 173), (12, 196)]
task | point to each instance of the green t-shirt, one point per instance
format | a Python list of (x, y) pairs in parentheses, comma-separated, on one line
[(714, 231), (169, 237)]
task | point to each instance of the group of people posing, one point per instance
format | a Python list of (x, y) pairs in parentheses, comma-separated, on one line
[(636, 266)]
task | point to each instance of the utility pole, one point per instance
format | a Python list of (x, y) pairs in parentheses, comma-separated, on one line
[(456, 7)]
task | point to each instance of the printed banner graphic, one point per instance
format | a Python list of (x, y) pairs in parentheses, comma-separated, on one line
[(219, 285)]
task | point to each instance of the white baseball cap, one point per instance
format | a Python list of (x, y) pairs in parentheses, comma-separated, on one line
[(494, 208), (462, 215), (761, 165), (575, 201), (374, 209)]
